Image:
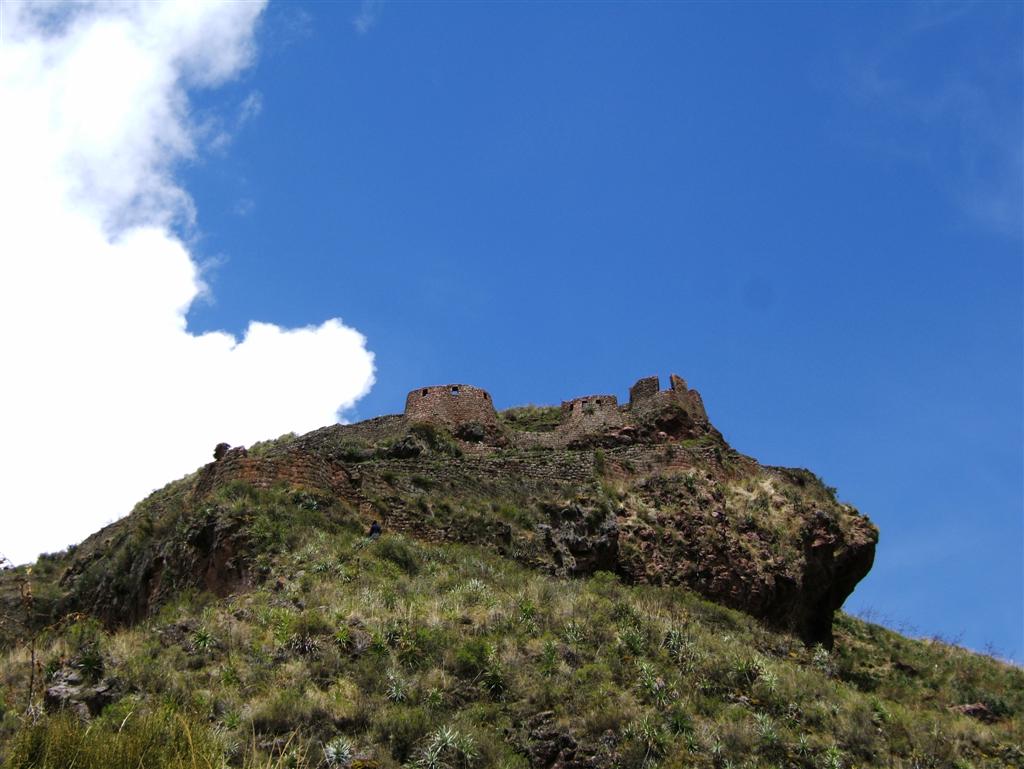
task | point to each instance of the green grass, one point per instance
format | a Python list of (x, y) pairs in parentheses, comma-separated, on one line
[(437, 655), (533, 419), (120, 740)]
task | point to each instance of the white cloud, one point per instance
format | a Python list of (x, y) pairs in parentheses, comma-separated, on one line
[(105, 393), (250, 108), (244, 206), (960, 119), (220, 136), (366, 19)]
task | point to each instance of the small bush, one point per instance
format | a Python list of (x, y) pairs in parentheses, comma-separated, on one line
[(437, 438), (471, 658), (289, 708), (400, 553), (402, 728)]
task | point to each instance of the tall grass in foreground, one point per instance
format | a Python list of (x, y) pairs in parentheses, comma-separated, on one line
[(160, 739)]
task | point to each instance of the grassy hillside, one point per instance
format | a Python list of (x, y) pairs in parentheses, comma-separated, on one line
[(773, 542), (403, 653)]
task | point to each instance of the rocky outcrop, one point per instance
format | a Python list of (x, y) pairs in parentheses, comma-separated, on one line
[(547, 745), (123, 576), (978, 710), (581, 541), (69, 690), (834, 562)]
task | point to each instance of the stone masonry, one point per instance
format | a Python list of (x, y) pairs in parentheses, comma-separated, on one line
[(451, 405), (455, 405), (591, 413), (646, 395)]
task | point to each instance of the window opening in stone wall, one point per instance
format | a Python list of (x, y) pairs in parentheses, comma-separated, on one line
[(424, 392), (455, 391)]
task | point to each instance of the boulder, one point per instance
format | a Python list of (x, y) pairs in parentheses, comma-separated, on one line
[(68, 690)]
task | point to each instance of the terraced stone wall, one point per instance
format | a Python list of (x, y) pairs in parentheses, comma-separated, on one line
[(300, 469)]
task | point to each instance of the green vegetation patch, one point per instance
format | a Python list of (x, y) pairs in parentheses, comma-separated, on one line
[(397, 653), (531, 419)]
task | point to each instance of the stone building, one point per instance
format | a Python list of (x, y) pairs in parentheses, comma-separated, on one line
[(454, 406), (591, 413), (451, 405), (647, 395)]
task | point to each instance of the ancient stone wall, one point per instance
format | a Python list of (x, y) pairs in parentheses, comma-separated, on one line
[(526, 440), (466, 476), (369, 432), (300, 469), (690, 399), (451, 405), (644, 388), (589, 414), (646, 396)]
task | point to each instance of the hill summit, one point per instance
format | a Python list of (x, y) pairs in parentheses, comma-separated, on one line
[(648, 490)]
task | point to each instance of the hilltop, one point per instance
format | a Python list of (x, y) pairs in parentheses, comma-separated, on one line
[(593, 584), (649, 491)]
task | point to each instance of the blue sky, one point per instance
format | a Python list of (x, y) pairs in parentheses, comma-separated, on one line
[(810, 211)]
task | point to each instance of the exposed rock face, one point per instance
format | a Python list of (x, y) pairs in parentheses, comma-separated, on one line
[(581, 541), (208, 551), (550, 746), (978, 710), (794, 580), (69, 691), (835, 563), (649, 491)]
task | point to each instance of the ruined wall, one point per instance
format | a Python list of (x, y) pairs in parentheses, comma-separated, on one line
[(647, 395), (300, 469), (368, 432), (525, 440), (689, 399), (451, 405), (589, 414), (644, 388)]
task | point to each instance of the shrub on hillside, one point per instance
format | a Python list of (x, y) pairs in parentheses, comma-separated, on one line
[(400, 553)]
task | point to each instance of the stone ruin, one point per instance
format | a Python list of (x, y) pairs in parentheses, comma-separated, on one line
[(468, 413), (455, 406), (647, 395), (451, 406), (591, 413)]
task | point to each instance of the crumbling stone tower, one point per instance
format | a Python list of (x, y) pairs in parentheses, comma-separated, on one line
[(647, 395), (451, 405)]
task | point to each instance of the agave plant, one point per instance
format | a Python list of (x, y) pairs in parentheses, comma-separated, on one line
[(339, 752), (447, 748)]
